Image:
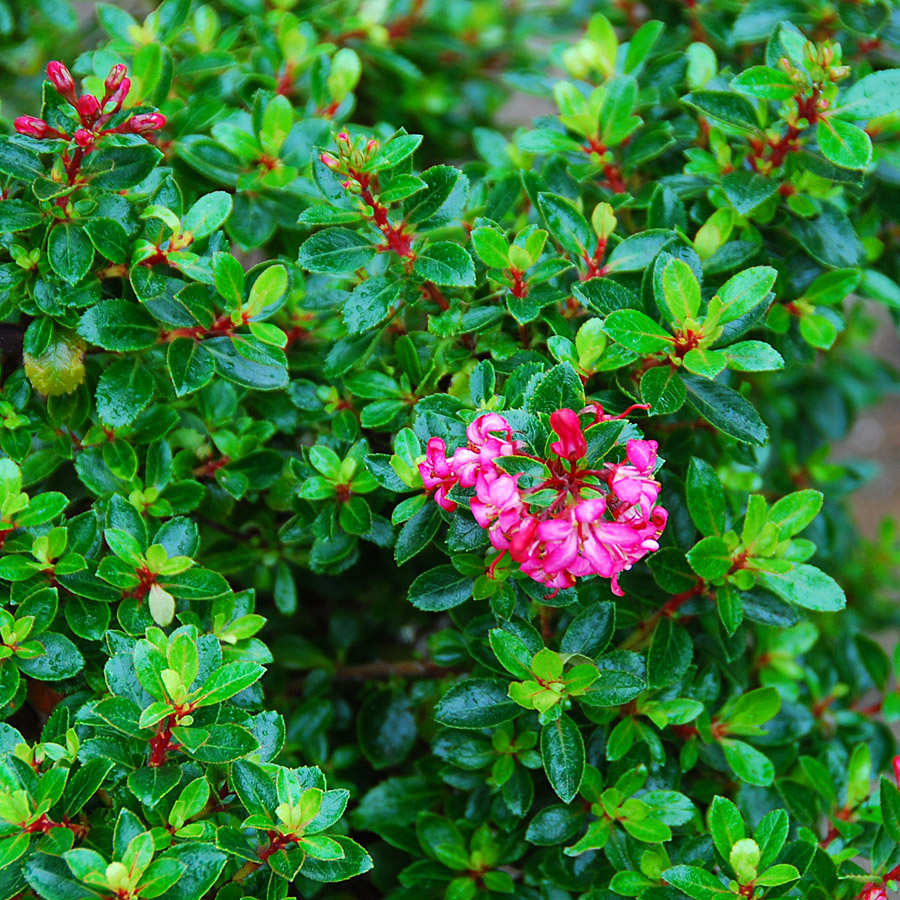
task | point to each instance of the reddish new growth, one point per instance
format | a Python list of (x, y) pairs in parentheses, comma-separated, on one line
[(611, 172), (351, 161), (808, 111), (93, 114)]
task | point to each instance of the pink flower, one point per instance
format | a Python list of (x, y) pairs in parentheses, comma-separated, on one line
[(573, 536), (571, 444), (84, 139), (437, 474), (896, 762)]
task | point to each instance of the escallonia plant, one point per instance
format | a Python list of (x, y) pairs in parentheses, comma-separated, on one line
[(403, 499)]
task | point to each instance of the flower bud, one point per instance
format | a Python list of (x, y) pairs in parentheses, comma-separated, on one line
[(330, 161), (115, 78), (84, 139), (36, 128), (371, 146), (145, 122), (117, 98), (61, 78), (88, 107), (343, 137), (571, 444)]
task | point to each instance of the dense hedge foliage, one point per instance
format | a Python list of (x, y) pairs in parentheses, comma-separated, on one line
[(395, 503)]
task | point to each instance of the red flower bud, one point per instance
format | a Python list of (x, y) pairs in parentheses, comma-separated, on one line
[(115, 78), (343, 137), (36, 128), (897, 769), (61, 78), (571, 444), (88, 107), (85, 139), (330, 161), (119, 94), (144, 122)]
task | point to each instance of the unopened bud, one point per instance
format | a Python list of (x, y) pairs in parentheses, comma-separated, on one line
[(88, 107), (343, 137), (371, 146), (61, 78), (84, 139), (330, 161), (117, 98), (36, 128), (115, 78), (145, 122)]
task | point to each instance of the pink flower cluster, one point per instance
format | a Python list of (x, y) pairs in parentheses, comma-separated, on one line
[(601, 522), (94, 114)]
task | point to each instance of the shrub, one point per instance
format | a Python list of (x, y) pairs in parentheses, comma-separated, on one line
[(513, 474)]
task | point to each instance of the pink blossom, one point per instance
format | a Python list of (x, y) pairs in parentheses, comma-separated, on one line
[(571, 444), (437, 474), (601, 523), (36, 128)]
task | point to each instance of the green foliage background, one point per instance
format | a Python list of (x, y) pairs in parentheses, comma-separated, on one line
[(219, 378)]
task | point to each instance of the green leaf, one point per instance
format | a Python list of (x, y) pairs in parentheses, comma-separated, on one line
[(710, 558), (560, 388), (744, 291), (562, 752), (109, 238), (637, 331), (277, 121), (746, 191), (878, 94), (386, 728), (123, 392), (491, 246), (440, 589), (663, 389), (726, 409), (124, 162), (748, 763), (728, 108), (806, 586), (227, 681), (477, 703), (369, 303), (681, 290), (566, 223), (191, 365), (764, 83), (793, 512), (118, 325), (208, 214), (446, 264), (705, 498), (705, 362), (725, 825), (844, 144), (336, 251), (18, 215), (670, 653), (696, 883), (70, 252), (753, 356)]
